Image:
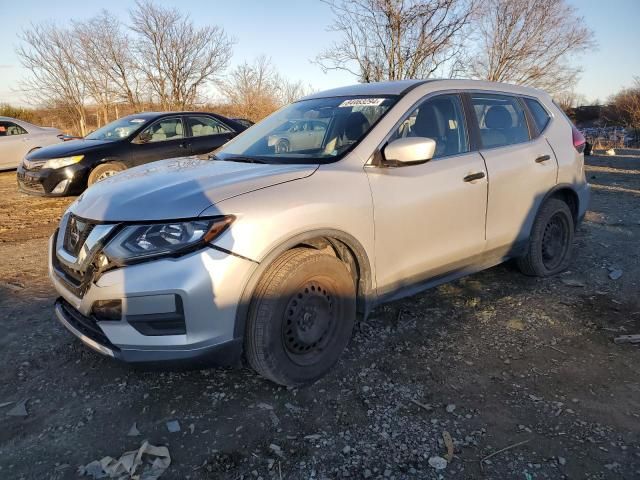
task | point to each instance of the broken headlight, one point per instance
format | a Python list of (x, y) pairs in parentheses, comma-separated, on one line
[(137, 242)]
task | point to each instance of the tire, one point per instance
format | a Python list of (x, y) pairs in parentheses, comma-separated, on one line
[(282, 146), (301, 317), (103, 171), (551, 240)]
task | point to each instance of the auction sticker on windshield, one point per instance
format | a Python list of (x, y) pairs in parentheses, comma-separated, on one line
[(362, 102)]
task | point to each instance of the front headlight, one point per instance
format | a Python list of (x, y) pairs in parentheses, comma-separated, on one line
[(62, 162), (136, 242)]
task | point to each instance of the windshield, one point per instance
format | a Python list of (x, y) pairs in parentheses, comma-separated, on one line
[(117, 130), (317, 130)]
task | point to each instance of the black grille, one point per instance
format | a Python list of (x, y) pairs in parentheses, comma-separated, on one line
[(85, 325), (76, 234), (32, 185), (76, 281)]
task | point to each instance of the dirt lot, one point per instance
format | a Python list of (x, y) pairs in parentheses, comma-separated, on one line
[(495, 359)]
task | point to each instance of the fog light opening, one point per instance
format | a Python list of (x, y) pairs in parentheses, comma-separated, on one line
[(62, 186), (108, 310)]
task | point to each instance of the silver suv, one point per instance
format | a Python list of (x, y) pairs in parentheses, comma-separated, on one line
[(270, 253)]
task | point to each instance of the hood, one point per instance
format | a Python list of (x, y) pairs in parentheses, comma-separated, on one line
[(178, 188), (66, 149)]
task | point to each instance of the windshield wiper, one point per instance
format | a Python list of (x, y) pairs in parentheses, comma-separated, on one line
[(241, 159)]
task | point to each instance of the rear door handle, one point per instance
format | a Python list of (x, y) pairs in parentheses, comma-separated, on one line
[(474, 176), (543, 158)]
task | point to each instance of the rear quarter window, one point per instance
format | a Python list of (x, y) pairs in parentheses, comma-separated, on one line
[(540, 115)]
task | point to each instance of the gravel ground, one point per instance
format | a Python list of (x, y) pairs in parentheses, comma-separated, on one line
[(496, 360)]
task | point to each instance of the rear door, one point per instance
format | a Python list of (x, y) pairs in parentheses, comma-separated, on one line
[(429, 217), (164, 138), (522, 168), (13, 144), (207, 133)]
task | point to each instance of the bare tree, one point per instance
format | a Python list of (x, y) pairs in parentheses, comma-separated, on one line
[(569, 99), (111, 68), (252, 89), (395, 39), (49, 54), (176, 57), (530, 42), (625, 105)]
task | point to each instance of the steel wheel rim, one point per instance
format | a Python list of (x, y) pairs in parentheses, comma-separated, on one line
[(555, 241), (310, 321), (282, 147), (105, 175)]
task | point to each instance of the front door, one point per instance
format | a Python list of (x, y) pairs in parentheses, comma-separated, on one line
[(165, 138), (429, 218), (522, 170)]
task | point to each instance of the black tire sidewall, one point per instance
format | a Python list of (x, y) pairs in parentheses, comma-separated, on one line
[(269, 316), (551, 208)]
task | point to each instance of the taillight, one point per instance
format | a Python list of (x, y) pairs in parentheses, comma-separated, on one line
[(579, 141)]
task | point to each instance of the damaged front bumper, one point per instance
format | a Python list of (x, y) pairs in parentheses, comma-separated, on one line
[(171, 310)]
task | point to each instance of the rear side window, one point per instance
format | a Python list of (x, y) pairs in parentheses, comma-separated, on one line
[(540, 115), (501, 119), (202, 126)]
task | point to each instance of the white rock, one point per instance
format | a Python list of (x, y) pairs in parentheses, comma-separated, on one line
[(438, 463)]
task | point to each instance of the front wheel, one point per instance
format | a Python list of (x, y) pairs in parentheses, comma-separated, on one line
[(551, 240), (301, 317), (105, 170)]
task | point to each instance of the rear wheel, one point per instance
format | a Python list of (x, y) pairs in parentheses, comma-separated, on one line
[(551, 240), (105, 170), (282, 146), (301, 317)]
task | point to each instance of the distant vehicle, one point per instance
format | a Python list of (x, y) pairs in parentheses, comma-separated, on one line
[(70, 167), (17, 138), (298, 135), (243, 121), (270, 255)]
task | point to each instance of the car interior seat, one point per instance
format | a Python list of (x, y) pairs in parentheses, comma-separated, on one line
[(430, 123), (498, 123), (355, 126)]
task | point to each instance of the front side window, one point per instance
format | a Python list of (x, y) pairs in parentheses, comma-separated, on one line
[(117, 130), (501, 120), (9, 128), (201, 126), (540, 115), (309, 131), (441, 119), (163, 130)]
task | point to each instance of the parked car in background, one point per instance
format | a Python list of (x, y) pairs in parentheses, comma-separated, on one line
[(18, 138), (272, 253), (298, 135), (70, 167)]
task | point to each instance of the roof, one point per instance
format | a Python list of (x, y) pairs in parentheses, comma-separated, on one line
[(400, 87), (396, 87)]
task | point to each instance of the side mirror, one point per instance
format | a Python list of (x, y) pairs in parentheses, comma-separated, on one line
[(410, 150)]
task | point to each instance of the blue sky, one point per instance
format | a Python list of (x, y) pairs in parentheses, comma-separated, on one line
[(292, 32)]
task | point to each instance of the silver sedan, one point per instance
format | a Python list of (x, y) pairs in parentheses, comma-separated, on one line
[(17, 138)]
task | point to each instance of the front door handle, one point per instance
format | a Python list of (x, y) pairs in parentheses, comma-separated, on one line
[(543, 158), (474, 176), (184, 145)]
